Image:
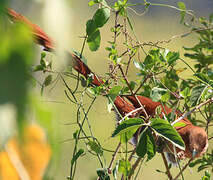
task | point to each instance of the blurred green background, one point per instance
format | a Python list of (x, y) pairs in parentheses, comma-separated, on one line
[(64, 21)]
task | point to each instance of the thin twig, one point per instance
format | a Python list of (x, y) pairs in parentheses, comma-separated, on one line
[(113, 158), (134, 166), (194, 109), (167, 167)]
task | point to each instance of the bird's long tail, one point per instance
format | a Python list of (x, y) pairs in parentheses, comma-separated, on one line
[(41, 38)]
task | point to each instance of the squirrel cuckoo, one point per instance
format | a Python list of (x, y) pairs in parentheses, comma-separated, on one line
[(195, 138)]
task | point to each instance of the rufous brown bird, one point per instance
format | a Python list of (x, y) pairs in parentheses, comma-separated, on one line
[(195, 138)]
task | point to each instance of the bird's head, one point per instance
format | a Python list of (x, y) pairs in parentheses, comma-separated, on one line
[(198, 142)]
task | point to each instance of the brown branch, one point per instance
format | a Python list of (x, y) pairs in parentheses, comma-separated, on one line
[(134, 166), (167, 167), (194, 109), (113, 158)]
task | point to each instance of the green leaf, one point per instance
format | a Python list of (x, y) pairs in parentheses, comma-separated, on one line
[(125, 137), (202, 77), (114, 92), (211, 17), (75, 134), (42, 60), (77, 155), (90, 27), (196, 162), (165, 97), (115, 171), (95, 147), (179, 124), (165, 130), (141, 148), (172, 57), (47, 80), (182, 6), (94, 40), (146, 145), (38, 68), (43, 55), (91, 3), (101, 16), (203, 21), (185, 93), (124, 167), (103, 174), (196, 94), (127, 125)]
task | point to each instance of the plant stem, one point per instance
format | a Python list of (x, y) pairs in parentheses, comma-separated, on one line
[(167, 167)]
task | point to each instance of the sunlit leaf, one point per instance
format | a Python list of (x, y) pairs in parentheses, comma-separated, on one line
[(182, 6), (165, 130), (124, 167), (179, 124), (185, 93)]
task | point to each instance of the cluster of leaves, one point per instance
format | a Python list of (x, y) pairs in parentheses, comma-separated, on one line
[(93, 25), (159, 78), (146, 144)]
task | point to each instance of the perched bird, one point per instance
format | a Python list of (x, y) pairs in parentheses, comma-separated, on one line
[(195, 138)]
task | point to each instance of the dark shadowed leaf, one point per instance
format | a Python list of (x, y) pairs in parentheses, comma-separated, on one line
[(103, 174), (77, 155), (202, 77), (196, 94), (146, 145)]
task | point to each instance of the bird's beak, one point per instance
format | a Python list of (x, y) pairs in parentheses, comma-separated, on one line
[(194, 153)]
